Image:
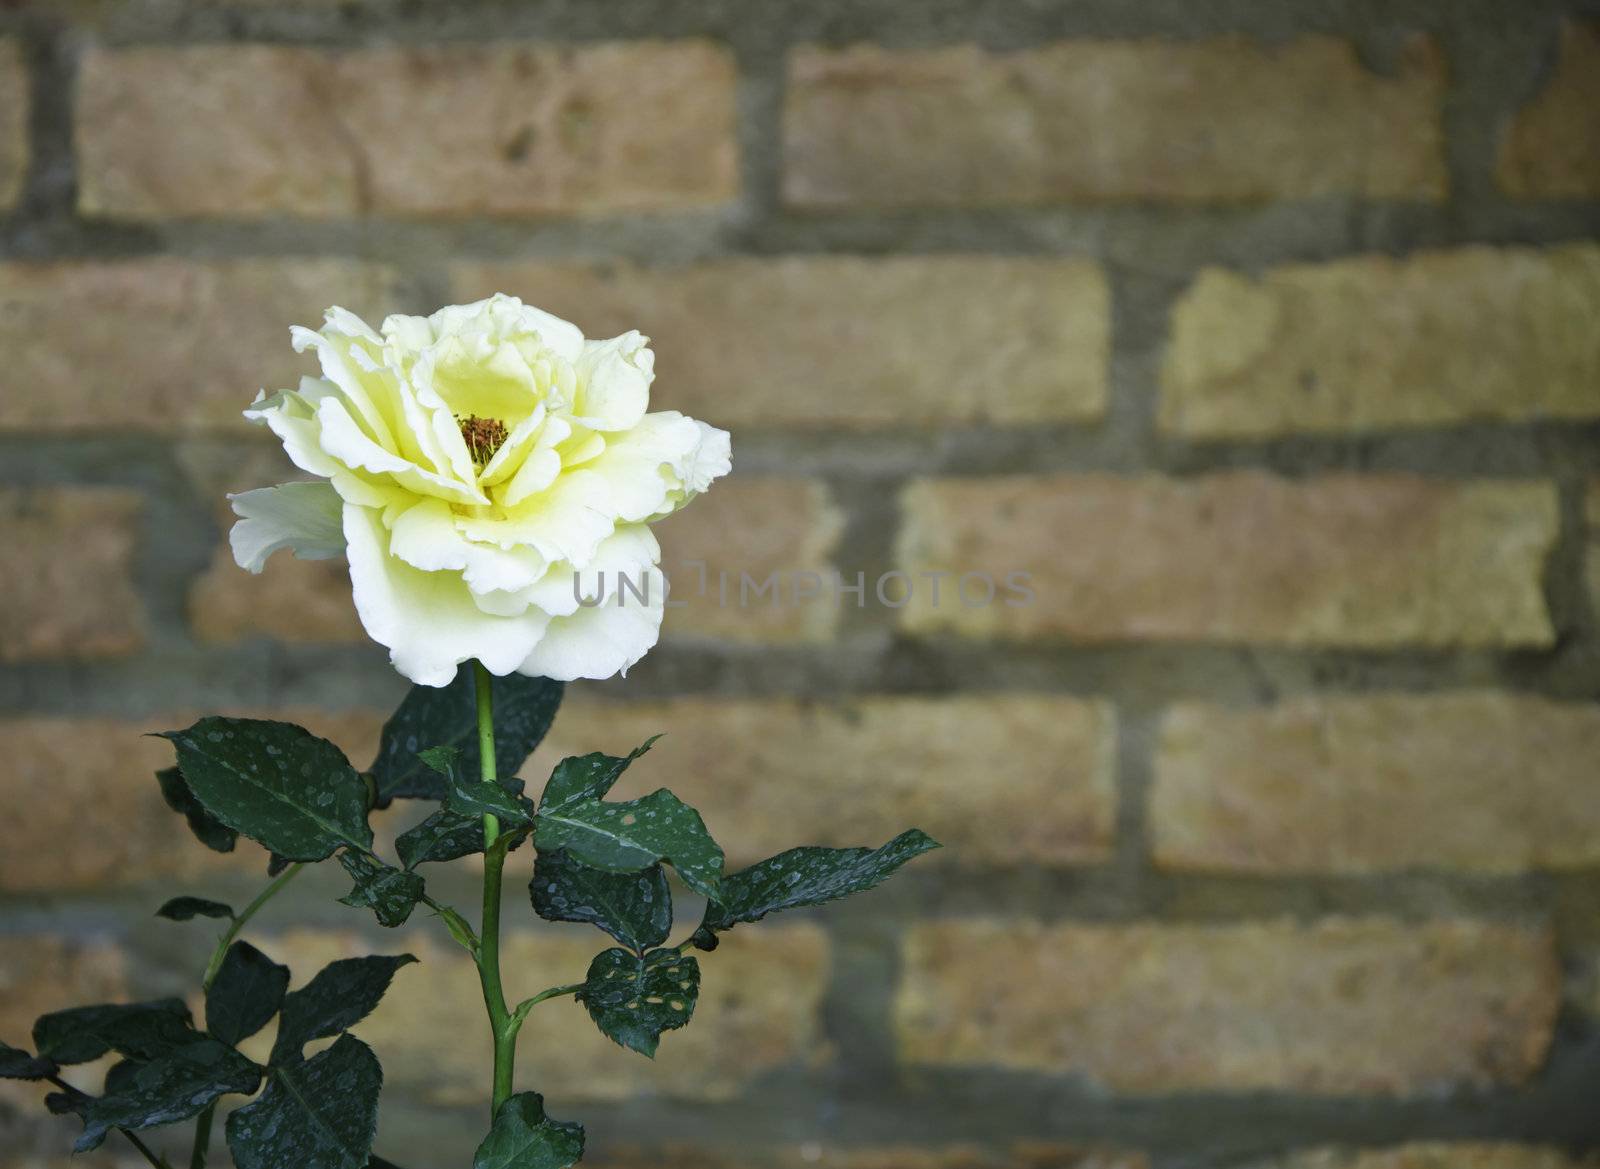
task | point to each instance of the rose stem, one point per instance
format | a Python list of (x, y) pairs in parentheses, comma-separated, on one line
[(502, 1026), (202, 1126)]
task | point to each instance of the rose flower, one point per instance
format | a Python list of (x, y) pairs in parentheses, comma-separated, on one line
[(492, 477)]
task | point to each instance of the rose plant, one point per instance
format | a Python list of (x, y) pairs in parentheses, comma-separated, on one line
[(486, 471)]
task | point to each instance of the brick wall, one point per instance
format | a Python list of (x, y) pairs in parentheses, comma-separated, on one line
[(1265, 337)]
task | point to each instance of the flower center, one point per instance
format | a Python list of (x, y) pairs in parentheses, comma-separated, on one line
[(483, 437)]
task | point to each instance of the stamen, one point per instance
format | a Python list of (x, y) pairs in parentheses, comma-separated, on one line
[(483, 437)]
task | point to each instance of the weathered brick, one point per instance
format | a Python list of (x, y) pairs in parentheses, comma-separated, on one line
[(163, 345), (1551, 149), (43, 972), (291, 600), (1021, 1155), (1583, 981), (53, 1149), (752, 530), (99, 777), (845, 340), (68, 575), (57, 1154), (40, 973), (13, 124), (758, 1010), (1220, 121), (1374, 343), (1338, 560), (1012, 780), (1434, 1155), (1592, 544), (1339, 1007), (493, 129), (1479, 781)]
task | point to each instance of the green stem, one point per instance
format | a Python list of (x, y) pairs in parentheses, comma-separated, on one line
[(202, 1138), (502, 1026), (202, 1126), (244, 916), (145, 1151)]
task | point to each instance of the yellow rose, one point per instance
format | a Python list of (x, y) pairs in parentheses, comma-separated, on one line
[(482, 468)]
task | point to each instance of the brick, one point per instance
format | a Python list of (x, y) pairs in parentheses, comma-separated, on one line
[(846, 340), (1435, 1155), (1011, 780), (758, 1010), (53, 1150), (1475, 781), (1592, 543), (755, 530), (44, 972), (1021, 1155), (162, 345), (498, 129), (1583, 982), (68, 578), (40, 973), (1219, 121), (98, 774), (1339, 1007), (1337, 560), (13, 124), (291, 600), (1372, 343), (1551, 148)]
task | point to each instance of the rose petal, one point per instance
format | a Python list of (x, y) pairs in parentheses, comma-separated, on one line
[(426, 536), (641, 465), (303, 517), (428, 620), (607, 638), (614, 378)]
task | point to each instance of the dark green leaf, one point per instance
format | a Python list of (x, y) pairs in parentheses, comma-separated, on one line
[(587, 777), (63, 1103), (210, 831), (634, 998), (322, 1113), (139, 1030), (117, 1080), (433, 717), (189, 908), (523, 1137), (276, 783), (443, 836), (634, 908), (174, 1087), (16, 1064), (339, 997), (277, 864), (633, 835), (247, 992), (805, 876), (377, 1162), (389, 892), (470, 796)]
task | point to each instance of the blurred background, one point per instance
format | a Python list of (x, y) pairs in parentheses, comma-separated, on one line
[(1260, 337)]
